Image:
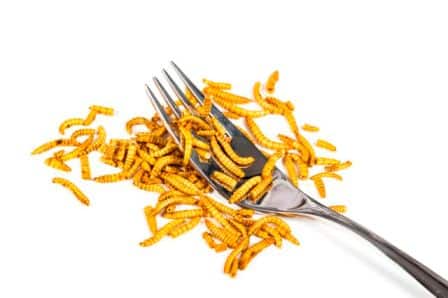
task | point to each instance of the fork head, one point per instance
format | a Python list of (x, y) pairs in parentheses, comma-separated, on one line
[(240, 143)]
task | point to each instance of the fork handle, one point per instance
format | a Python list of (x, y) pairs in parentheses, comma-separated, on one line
[(433, 282)]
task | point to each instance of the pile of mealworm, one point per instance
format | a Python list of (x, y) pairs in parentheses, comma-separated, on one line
[(154, 163)]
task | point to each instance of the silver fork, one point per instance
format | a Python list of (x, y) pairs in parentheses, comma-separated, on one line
[(283, 198)]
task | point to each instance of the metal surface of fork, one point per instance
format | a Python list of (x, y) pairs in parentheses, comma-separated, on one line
[(283, 198)]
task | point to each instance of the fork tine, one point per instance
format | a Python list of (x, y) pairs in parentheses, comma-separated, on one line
[(176, 89), (163, 115), (170, 102), (195, 90)]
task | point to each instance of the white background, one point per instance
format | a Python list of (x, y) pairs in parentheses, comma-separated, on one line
[(372, 74)]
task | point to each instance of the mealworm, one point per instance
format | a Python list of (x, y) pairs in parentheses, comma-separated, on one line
[(57, 164), (325, 145), (85, 167), (185, 227), (218, 126), (217, 85), (271, 81), (137, 121), (130, 156), (161, 233), (285, 106), (261, 138), (281, 224), (231, 115), (233, 255), (69, 123), (327, 175), (181, 184), (196, 121), (240, 193), (275, 234), (224, 235), (338, 208), (292, 123), (206, 202), (263, 103), (310, 128), (225, 180), (260, 189), (338, 166), (325, 161), (291, 170), (188, 144), (292, 144), (252, 251), (226, 97), (320, 186), (109, 178), (165, 150), (50, 145), (102, 110), (163, 162), (81, 132), (269, 166), (225, 161), (150, 219), (73, 188), (244, 161), (184, 214), (206, 106), (91, 116), (239, 111), (178, 199)]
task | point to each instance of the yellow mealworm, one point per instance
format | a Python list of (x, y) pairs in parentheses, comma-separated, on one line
[(223, 208), (291, 169), (261, 138), (244, 189), (148, 157), (91, 116), (260, 189), (81, 132), (182, 199), (274, 233), (244, 161), (285, 106), (73, 188), (218, 126), (69, 123), (200, 144), (222, 234), (188, 144), (233, 256), (225, 180), (150, 187), (50, 145), (102, 110), (327, 175), (225, 161), (130, 156), (169, 147), (239, 111), (184, 214), (57, 164), (225, 96), (292, 144), (303, 170), (110, 178), (137, 121), (206, 106), (206, 132), (281, 224), (150, 219), (252, 251), (217, 85), (262, 102), (85, 167), (196, 121), (325, 161), (312, 155), (269, 166), (325, 145), (150, 138), (185, 227), (271, 81), (208, 238), (206, 202), (231, 115), (181, 184), (163, 162), (161, 233), (310, 128), (338, 208), (320, 186), (292, 123), (338, 166)]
